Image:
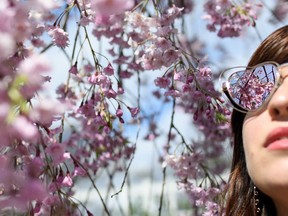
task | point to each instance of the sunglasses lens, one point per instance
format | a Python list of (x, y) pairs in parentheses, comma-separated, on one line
[(250, 87)]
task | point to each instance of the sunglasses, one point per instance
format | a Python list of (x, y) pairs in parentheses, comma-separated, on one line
[(248, 88)]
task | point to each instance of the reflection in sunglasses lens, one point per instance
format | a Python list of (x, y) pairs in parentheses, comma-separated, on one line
[(251, 87)]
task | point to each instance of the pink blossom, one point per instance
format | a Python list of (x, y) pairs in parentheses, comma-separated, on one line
[(120, 91), (162, 82), (187, 88), (109, 70), (6, 16), (89, 68), (185, 166), (87, 109), (229, 19), (38, 43), (134, 111), (59, 36), (108, 7), (205, 72), (64, 92), (85, 21), (212, 209), (101, 20), (73, 69), (47, 111), (39, 191), (67, 181), (171, 14), (56, 152), (170, 56), (121, 120), (79, 171), (99, 79), (31, 71), (22, 128), (110, 93), (136, 19), (7, 45), (35, 167), (51, 200), (35, 64), (250, 94), (173, 92), (38, 31), (119, 112), (163, 43), (125, 74), (4, 110), (44, 6), (152, 58)]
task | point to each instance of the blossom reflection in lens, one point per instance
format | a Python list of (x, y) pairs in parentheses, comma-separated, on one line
[(247, 88)]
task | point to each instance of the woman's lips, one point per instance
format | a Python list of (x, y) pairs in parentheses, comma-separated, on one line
[(277, 139)]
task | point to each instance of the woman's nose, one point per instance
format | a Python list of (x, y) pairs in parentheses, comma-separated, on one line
[(278, 104)]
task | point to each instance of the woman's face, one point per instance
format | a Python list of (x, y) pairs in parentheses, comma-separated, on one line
[(265, 139)]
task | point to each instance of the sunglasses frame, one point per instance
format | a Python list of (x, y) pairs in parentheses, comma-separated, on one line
[(225, 84)]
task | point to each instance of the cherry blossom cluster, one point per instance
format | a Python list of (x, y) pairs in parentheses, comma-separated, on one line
[(202, 196), (26, 115), (229, 18), (194, 92), (34, 156), (251, 89), (41, 157)]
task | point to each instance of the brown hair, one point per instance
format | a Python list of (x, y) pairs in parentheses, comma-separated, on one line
[(239, 198)]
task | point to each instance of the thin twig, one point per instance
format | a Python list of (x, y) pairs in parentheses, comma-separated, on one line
[(94, 185), (124, 180), (164, 168)]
